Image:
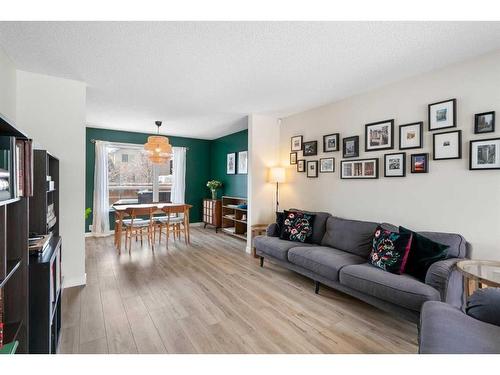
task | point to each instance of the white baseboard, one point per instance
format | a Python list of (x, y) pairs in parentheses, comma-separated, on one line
[(74, 281)]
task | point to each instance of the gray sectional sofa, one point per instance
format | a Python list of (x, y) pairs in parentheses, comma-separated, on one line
[(338, 257)]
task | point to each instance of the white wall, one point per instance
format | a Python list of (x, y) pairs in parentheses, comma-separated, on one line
[(449, 198), (7, 87), (52, 111)]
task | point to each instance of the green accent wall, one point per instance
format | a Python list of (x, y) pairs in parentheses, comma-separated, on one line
[(236, 184)]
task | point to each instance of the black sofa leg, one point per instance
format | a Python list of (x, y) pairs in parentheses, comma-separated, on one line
[(316, 287), (262, 261)]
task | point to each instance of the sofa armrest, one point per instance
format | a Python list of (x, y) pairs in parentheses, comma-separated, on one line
[(448, 280), (272, 230)]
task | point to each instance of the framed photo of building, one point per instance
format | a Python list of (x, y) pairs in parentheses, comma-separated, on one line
[(484, 122), (310, 148), (411, 136), (296, 143), (293, 158), (379, 135), (331, 142), (301, 165), (447, 145), (243, 162), (350, 147), (484, 154), (443, 114), (395, 165), (419, 163), (231, 163), (359, 169), (327, 165), (312, 168)]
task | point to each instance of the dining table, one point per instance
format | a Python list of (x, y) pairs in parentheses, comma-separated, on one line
[(144, 209)]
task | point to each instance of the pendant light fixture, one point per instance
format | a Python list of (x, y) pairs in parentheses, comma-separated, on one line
[(158, 148)]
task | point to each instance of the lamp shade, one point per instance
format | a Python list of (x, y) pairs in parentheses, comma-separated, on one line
[(277, 174)]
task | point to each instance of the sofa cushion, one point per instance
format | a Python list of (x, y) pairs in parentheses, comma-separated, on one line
[(390, 250), (297, 227), (402, 290), (325, 261), (319, 225), (275, 247), (484, 305), (352, 236)]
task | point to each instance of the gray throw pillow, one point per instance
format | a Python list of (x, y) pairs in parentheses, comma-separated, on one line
[(484, 305)]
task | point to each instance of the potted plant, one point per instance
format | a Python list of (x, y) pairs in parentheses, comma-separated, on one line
[(213, 185)]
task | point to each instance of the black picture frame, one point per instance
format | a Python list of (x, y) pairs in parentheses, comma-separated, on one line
[(312, 162), (390, 138), (355, 154), (320, 165), (403, 163), (300, 138), (314, 148), (471, 144), (337, 139), (459, 155), (430, 122), (420, 124), (426, 163), (301, 166), (292, 162), (361, 177), (477, 116)]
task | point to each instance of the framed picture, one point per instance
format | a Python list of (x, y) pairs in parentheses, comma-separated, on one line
[(447, 145), (243, 162), (359, 169), (484, 122), (395, 165), (327, 165), (331, 142), (296, 143), (350, 147), (419, 163), (484, 154), (293, 158), (443, 114), (231, 163), (310, 148), (312, 168), (411, 136), (379, 135), (301, 165)]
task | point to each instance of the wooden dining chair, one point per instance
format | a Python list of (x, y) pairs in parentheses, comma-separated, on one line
[(173, 222), (135, 226)]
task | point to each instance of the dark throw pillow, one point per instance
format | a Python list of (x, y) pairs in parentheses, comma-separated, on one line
[(297, 226), (424, 252), (390, 250), (484, 305)]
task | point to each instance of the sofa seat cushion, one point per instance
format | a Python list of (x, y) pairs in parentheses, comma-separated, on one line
[(324, 261), (403, 290), (275, 247)]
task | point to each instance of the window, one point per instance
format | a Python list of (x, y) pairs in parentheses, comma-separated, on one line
[(130, 171)]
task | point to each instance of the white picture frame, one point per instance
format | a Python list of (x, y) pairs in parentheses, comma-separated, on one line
[(231, 163), (243, 162)]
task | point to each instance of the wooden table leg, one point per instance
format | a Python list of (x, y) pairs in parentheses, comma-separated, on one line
[(186, 224), (118, 230)]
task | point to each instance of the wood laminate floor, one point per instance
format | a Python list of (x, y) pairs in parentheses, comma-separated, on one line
[(212, 297)]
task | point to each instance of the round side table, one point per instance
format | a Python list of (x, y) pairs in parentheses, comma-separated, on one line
[(479, 274)]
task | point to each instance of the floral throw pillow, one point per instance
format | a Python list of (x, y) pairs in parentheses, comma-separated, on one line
[(297, 226), (390, 250)]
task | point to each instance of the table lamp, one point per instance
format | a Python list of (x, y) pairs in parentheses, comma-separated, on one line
[(277, 175)]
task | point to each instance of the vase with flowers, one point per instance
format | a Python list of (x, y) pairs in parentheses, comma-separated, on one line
[(213, 185)]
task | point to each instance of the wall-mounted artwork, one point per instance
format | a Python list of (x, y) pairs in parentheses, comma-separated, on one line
[(301, 165), (379, 135), (296, 143), (395, 165), (411, 136), (331, 142), (419, 163), (484, 154), (243, 162), (447, 145), (359, 169), (293, 158), (310, 148), (312, 168), (231, 163), (350, 147), (443, 114), (484, 122), (327, 165)]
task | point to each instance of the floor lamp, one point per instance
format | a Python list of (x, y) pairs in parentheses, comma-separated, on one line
[(277, 175)]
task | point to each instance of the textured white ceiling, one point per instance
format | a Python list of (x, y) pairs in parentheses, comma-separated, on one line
[(203, 78)]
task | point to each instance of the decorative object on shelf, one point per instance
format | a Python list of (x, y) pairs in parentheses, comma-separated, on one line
[(213, 185), (277, 176), (293, 158), (331, 142), (484, 154), (158, 148), (419, 163), (327, 165), (379, 135), (243, 162), (296, 143), (310, 148), (411, 136), (301, 165), (395, 165), (442, 114), (484, 122), (312, 168), (359, 169), (350, 147), (447, 145), (231, 163)]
